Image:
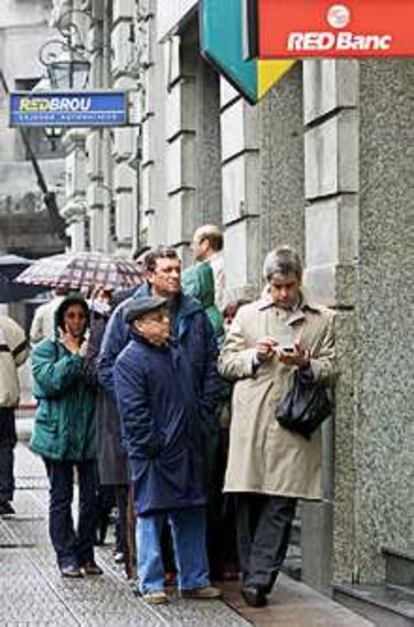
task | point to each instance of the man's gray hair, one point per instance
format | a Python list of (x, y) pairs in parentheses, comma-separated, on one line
[(283, 261)]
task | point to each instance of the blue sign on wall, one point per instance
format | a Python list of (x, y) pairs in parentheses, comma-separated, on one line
[(86, 108)]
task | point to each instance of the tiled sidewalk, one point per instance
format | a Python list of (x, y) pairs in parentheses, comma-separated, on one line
[(33, 593)]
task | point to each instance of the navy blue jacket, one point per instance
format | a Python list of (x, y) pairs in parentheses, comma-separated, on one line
[(196, 341), (156, 390)]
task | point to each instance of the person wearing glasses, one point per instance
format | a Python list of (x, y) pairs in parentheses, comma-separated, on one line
[(190, 330), (156, 389)]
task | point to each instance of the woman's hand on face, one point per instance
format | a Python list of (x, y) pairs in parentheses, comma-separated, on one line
[(70, 342), (83, 348)]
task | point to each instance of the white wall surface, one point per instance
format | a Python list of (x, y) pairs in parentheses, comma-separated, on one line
[(170, 13)]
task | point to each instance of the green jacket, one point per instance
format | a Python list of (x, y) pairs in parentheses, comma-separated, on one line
[(64, 426), (198, 282)]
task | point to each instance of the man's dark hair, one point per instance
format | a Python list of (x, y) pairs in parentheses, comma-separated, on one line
[(139, 252), (161, 252)]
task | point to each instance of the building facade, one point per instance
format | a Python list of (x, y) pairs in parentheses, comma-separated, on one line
[(25, 226), (325, 163)]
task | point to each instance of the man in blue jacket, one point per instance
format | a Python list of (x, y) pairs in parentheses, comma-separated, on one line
[(190, 327), (191, 330), (156, 390)]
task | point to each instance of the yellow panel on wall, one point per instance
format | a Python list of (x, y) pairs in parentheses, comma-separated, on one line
[(269, 72)]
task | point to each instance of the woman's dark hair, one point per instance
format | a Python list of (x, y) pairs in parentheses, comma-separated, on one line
[(72, 299)]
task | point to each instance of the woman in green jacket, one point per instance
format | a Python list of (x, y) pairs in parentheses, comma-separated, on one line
[(64, 435)]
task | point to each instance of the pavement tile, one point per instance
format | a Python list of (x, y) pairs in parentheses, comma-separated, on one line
[(36, 594), (33, 592), (27, 597)]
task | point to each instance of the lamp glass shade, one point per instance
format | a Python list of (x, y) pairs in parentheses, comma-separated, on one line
[(69, 73)]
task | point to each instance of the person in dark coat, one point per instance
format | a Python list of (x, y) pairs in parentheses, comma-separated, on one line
[(190, 327), (112, 462), (156, 388), (192, 331)]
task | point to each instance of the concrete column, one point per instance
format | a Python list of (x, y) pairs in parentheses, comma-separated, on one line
[(240, 193), (98, 143), (74, 210), (281, 164), (181, 178), (155, 57), (331, 242), (77, 232), (181, 128), (125, 72), (95, 191)]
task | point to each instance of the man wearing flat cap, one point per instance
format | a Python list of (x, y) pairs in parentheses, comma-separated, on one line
[(156, 390), (190, 330)]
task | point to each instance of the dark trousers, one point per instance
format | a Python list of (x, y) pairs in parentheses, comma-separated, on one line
[(72, 547), (8, 441), (263, 528), (121, 523)]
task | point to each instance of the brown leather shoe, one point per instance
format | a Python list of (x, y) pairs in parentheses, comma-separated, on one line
[(158, 597), (207, 593), (92, 568)]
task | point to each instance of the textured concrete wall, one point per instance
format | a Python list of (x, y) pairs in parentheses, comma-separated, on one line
[(208, 171), (385, 443), (331, 240), (282, 164)]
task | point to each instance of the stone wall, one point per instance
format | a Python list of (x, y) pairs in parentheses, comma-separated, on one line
[(282, 164), (385, 444)]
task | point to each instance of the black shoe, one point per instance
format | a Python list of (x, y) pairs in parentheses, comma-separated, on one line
[(119, 557), (254, 596), (6, 509), (92, 568), (71, 571)]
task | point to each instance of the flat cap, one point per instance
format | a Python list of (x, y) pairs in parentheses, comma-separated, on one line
[(142, 306)]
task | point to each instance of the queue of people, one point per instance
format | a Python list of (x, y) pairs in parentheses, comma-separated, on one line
[(169, 396)]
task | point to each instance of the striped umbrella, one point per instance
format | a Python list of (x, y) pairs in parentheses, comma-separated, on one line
[(81, 271)]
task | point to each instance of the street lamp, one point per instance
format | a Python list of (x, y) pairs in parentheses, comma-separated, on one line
[(66, 59), (67, 67)]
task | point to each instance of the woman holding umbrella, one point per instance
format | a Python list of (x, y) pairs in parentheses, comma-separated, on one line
[(64, 435)]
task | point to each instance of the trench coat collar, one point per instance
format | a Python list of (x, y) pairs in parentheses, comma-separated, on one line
[(298, 314)]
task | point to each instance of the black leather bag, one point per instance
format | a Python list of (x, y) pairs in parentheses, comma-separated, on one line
[(305, 406)]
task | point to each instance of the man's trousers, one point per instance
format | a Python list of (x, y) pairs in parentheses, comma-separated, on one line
[(8, 441), (263, 529)]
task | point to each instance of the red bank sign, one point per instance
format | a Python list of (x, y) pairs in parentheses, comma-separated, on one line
[(326, 28)]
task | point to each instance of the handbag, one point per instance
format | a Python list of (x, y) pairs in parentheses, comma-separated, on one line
[(305, 406)]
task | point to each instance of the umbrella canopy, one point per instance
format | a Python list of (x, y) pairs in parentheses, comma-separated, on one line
[(81, 271), (10, 266)]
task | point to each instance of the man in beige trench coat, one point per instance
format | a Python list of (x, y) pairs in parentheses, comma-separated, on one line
[(269, 467)]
